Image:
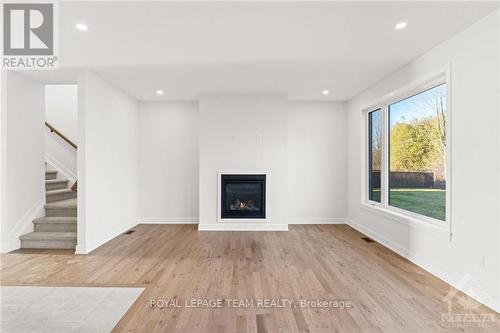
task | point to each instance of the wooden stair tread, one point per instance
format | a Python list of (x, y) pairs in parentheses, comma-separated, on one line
[(55, 219), (56, 181), (49, 236), (57, 191)]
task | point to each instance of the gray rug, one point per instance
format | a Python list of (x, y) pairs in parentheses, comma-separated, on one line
[(64, 309)]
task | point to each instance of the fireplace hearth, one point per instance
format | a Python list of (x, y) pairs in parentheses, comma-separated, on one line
[(243, 196)]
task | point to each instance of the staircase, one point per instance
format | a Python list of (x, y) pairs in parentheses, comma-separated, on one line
[(57, 229)]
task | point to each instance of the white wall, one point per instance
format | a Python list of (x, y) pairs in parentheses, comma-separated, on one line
[(3, 153), (61, 106), (23, 169), (317, 168), (107, 162), (475, 73), (243, 133), (168, 162), (169, 152)]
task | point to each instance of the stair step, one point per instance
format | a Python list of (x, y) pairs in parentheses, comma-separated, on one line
[(50, 174), (55, 224), (63, 208), (49, 236), (48, 240), (56, 184), (58, 195)]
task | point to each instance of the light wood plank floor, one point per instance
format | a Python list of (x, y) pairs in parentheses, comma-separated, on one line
[(388, 293)]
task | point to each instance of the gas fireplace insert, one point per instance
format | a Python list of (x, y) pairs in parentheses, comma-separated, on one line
[(243, 196)]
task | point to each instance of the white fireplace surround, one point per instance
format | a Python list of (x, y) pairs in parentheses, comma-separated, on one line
[(222, 133), (219, 195)]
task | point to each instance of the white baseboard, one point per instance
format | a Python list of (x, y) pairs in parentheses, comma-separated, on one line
[(90, 246), (243, 227), (80, 249), (382, 240), (23, 226), (65, 172), (318, 220), (455, 282), (195, 220), (169, 220)]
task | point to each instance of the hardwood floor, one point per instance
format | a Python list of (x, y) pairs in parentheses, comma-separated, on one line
[(329, 262)]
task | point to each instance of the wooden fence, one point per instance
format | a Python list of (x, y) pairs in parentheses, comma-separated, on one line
[(408, 179)]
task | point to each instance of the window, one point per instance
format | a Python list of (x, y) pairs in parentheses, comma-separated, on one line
[(374, 155), (413, 177)]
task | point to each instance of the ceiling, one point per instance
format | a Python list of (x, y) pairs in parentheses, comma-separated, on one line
[(299, 48)]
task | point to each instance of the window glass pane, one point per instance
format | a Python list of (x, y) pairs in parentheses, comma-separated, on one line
[(374, 154), (417, 151)]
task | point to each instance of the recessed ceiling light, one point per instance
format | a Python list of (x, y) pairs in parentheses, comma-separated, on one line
[(159, 92), (325, 92), (401, 25), (82, 27)]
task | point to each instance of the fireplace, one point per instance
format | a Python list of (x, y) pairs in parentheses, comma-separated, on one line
[(242, 196)]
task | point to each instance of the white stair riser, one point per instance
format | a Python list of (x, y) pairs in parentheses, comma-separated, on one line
[(54, 227), (51, 197)]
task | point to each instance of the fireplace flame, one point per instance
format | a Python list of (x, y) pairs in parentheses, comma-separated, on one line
[(243, 204)]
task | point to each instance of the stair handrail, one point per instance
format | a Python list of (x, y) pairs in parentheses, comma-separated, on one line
[(65, 138), (62, 136)]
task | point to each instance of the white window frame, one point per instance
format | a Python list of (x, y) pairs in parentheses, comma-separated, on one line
[(382, 157), (383, 207)]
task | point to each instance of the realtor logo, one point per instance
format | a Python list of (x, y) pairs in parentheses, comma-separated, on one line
[(29, 36), (463, 310)]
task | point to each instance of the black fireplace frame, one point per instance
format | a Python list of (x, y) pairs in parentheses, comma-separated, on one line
[(242, 178)]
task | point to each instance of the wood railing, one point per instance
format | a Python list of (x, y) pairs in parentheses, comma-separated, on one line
[(65, 138), (62, 136)]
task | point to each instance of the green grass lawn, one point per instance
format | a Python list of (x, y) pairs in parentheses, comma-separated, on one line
[(428, 202)]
